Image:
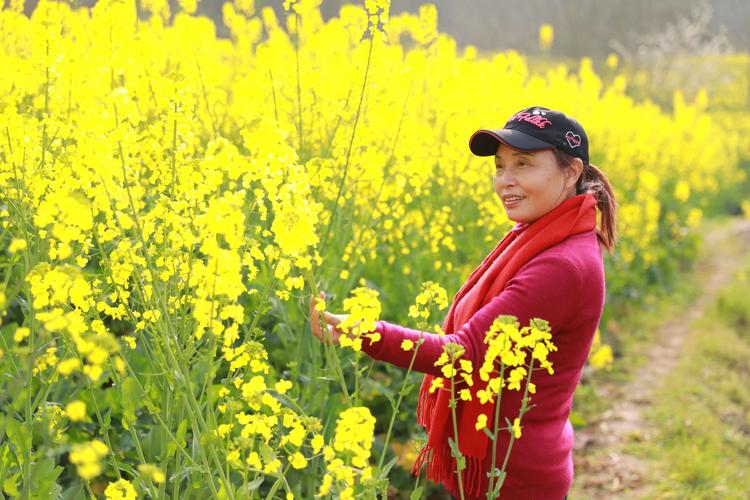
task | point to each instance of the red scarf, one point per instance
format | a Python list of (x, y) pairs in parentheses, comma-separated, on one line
[(574, 215)]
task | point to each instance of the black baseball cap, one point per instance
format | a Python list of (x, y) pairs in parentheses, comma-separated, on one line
[(534, 129)]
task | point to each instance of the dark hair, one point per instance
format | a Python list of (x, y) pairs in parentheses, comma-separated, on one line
[(593, 180)]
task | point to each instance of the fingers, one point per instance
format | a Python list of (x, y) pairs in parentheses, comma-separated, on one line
[(331, 319), (324, 332), (327, 330), (315, 318)]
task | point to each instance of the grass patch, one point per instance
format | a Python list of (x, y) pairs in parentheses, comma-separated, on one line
[(702, 409)]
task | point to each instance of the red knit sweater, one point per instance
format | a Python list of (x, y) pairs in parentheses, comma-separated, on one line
[(564, 285)]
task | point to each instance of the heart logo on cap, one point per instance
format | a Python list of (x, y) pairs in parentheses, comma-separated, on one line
[(573, 140)]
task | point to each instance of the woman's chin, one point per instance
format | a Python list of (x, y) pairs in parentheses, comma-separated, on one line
[(513, 216)]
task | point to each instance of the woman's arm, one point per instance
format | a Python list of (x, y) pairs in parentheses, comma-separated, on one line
[(546, 287)]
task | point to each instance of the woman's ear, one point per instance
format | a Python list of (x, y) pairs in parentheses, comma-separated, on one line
[(573, 172)]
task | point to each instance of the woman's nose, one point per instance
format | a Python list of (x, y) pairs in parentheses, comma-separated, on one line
[(505, 178)]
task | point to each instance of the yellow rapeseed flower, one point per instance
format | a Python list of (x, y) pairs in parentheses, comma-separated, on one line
[(297, 460), (612, 60), (436, 384), (153, 472), (517, 427), (121, 489), (87, 457), (76, 411), (282, 386), (21, 333), (546, 36), (16, 245), (317, 443), (481, 422)]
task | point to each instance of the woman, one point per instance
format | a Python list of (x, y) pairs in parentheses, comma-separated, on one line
[(549, 266)]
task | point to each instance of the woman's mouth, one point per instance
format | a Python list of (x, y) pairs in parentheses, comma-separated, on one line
[(512, 200)]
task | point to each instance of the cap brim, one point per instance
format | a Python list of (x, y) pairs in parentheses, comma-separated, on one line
[(485, 142)]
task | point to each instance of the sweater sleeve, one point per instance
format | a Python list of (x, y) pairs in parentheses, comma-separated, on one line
[(546, 287)]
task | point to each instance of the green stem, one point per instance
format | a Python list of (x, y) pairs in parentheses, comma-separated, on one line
[(281, 480), (401, 394), (133, 374), (351, 144), (521, 412), (332, 360), (199, 424), (455, 432), (205, 98), (496, 427), (299, 83)]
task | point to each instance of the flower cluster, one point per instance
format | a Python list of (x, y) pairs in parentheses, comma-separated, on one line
[(87, 457), (377, 11), (453, 367), (507, 352), (348, 458), (364, 311), (55, 290), (121, 489), (507, 349), (432, 293), (601, 356)]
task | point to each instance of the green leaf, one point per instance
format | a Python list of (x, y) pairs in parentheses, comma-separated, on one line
[(407, 389), (180, 436), (183, 473), (391, 399), (19, 435), (132, 398), (107, 420), (75, 492), (10, 485), (387, 467), (416, 494), (246, 489), (266, 452), (454, 448), (44, 479)]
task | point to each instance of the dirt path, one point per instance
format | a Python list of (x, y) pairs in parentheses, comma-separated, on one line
[(603, 469)]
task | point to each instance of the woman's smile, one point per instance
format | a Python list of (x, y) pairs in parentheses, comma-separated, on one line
[(510, 201)]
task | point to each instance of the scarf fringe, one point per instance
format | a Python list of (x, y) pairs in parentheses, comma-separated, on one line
[(472, 476), (425, 406), (440, 465), (419, 461), (439, 468)]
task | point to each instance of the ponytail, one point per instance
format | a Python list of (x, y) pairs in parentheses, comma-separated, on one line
[(593, 180)]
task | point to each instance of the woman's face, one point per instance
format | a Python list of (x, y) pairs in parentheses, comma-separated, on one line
[(535, 177)]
